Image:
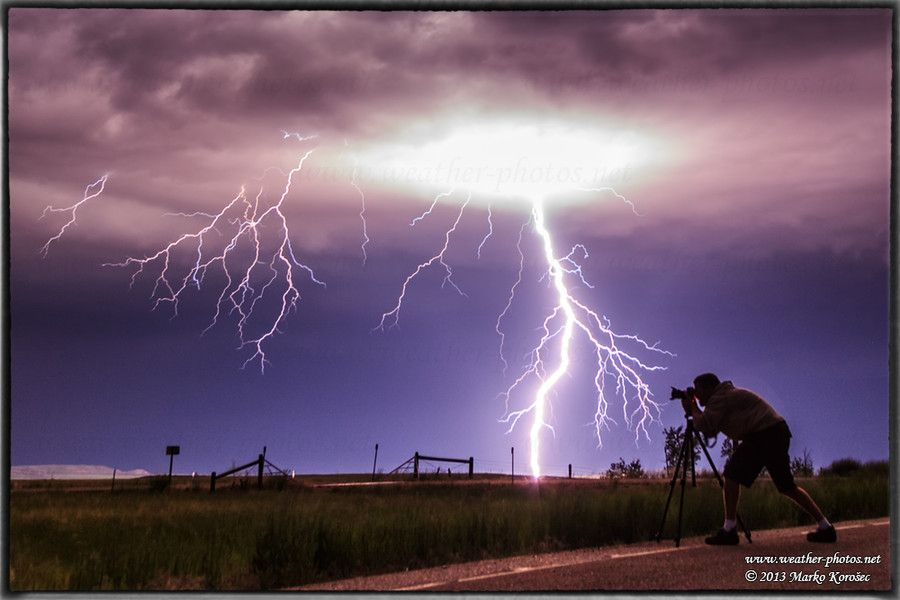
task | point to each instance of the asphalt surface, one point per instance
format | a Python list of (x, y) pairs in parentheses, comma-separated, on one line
[(779, 559)]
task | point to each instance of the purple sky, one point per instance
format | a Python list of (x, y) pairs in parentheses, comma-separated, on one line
[(761, 251)]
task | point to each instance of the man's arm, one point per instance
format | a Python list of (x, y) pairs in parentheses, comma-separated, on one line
[(704, 421)]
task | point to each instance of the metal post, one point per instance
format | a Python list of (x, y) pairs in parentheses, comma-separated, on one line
[(171, 451), (471, 467), (212, 482), (416, 465), (114, 480), (375, 462), (259, 472), (570, 470), (512, 470)]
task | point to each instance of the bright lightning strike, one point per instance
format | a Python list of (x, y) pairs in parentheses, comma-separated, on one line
[(567, 316), (533, 162), (90, 192), (271, 269)]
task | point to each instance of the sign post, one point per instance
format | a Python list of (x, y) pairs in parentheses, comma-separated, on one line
[(171, 451)]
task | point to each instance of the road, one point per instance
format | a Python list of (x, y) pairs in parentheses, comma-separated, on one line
[(656, 567)]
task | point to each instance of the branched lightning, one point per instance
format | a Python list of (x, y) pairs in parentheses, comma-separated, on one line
[(550, 359), (568, 316), (246, 220), (512, 292), (431, 208), (90, 192), (393, 315)]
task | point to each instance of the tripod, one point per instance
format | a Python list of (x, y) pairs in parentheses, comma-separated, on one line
[(685, 457)]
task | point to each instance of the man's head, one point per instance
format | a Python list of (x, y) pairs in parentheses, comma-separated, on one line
[(704, 386)]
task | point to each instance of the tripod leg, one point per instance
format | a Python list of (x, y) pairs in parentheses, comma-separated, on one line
[(662, 522), (722, 485), (685, 449), (693, 466)]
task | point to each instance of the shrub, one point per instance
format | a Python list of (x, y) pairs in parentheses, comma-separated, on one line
[(802, 466), (159, 484), (632, 470), (842, 467)]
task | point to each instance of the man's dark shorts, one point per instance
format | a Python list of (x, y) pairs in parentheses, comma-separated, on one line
[(767, 448)]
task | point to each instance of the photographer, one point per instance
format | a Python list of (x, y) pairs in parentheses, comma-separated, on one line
[(764, 439)]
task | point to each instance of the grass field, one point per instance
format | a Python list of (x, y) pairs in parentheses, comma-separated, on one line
[(245, 539)]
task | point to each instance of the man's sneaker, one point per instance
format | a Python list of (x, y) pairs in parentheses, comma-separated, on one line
[(825, 536), (723, 537)]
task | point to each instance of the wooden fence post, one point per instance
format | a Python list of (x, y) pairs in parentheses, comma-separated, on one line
[(212, 482), (416, 465), (375, 462), (471, 467), (259, 472)]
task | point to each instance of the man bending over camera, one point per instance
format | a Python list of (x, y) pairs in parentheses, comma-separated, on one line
[(763, 437)]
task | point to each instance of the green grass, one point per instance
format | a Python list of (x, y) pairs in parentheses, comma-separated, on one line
[(248, 539)]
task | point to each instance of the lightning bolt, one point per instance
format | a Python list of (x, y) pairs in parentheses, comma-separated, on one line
[(362, 212), (568, 317), (245, 220), (614, 193), (90, 192), (299, 137), (512, 293), (431, 208), (488, 234), (393, 315), (550, 359)]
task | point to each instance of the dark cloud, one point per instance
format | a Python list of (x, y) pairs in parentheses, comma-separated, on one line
[(177, 101)]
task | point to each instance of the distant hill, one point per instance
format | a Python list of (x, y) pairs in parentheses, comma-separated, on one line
[(73, 472)]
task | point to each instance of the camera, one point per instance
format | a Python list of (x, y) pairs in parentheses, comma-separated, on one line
[(685, 394)]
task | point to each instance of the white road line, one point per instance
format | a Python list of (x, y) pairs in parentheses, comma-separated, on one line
[(645, 553), (518, 570), (422, 586), (488, 575), (858, 525), (514, 571)]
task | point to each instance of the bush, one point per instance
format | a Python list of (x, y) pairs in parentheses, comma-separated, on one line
[(842, 467), (632, 470), (802, 466), (877, 467), (159, 484)]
